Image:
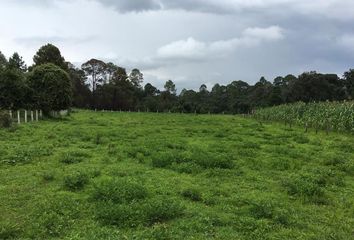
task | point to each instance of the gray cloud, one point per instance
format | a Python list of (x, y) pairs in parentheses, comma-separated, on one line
[(133, 6), (190, 42), (341, 9), (35, 40)]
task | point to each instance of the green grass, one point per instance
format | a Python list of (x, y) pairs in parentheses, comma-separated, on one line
[(174, 176)]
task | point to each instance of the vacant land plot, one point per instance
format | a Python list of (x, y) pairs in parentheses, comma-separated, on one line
[(174, 176)]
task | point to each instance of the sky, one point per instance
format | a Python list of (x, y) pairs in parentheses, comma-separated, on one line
[(188, 41)]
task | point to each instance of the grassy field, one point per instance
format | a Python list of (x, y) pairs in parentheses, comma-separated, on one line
[(174, 176)]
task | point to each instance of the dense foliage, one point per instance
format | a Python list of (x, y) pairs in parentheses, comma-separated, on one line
[(324, 115), (101, 85), (98, 175), (51, 88)]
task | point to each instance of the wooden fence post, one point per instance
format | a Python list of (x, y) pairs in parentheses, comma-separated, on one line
[(40, 114), (10, 112), (37, 115), (25, 116), (32, 116), (18, 117)]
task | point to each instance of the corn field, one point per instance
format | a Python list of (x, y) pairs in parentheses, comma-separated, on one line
[(335, 116)]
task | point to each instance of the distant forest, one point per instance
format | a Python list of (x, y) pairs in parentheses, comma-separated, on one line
[(52, 83)]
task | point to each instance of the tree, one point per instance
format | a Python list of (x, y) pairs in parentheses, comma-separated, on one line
[(237, 92), (203, 88), (51, 86), (150, 90), (218, 98), (50, 54), (136, 77), (96, 70), (81, 90), (260, 93), (3, 61), (119, 75), (313, 86), (170, 87), (12, 89), (111, 68), (16, 62), (349, 83)]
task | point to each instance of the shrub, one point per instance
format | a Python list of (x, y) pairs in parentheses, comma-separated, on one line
[(163, 160), (140, 150), (213, 161), (192, 194), (118, 190), (268, 209), (48, 176), (51, 87), (98, 139), (5, 120), (73, 157), (336, 160), (21, 156), (301, 139), (134, 214), (187, 167), (8, 230), (311, 185), (75, 181), (112, 149), (54, 215), (162, 209), (121, 215), (262, 209)]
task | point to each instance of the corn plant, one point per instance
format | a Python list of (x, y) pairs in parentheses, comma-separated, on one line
[(336, 116)]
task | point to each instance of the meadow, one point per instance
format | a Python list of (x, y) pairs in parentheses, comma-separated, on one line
[(103, 175)]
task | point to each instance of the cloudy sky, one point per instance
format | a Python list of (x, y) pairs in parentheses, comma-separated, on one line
[(189, 41)]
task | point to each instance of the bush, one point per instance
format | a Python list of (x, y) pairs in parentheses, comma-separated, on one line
[(5, 119), (213, 161), (13, 89), (192, 194), (262, 209), (301, 139), (52, 90), (21, 156), (187, 167), (48, 176), (54, 215), (8, 231), (73, 157), (121, 215), (267, 209), (118, 190), (134, 214), (162, 209), (336, 160), (164, 159), (311, 185), (75, 181)]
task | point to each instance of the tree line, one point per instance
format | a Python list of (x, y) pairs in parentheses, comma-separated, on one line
[(52, 83)]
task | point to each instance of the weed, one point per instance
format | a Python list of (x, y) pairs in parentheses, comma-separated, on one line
[(192, 194), (8, 230), (162, 209), (76, 181), (118, 190), (73, 157), (5, 119), (48, 176)]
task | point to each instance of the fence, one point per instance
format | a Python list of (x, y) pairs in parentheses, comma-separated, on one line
[(24, 116)]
